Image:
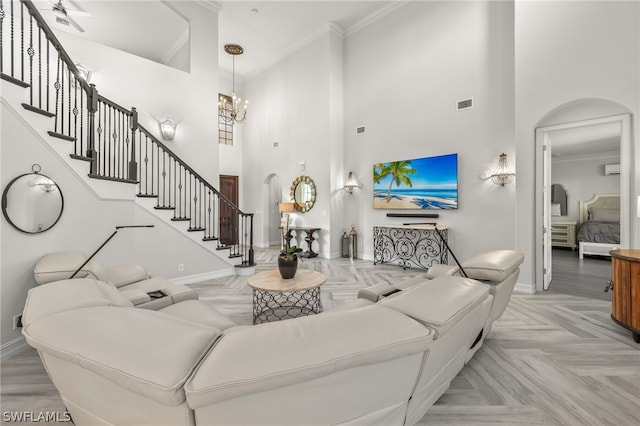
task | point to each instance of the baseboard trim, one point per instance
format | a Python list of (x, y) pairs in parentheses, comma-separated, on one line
[(524, 288), (12, 348), (191, 279)]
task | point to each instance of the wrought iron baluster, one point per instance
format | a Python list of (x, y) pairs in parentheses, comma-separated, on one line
[(48, 75), (30, 52), (133, 163), (81, 145), (39, 67), (2, 16), (75, 118), (69, 109), (57, 87), (22, 41)]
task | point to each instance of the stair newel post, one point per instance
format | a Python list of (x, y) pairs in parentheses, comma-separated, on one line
[(92, 107), (133, 164), (251, 254)]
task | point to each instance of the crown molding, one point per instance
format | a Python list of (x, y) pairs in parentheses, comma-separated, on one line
[(375, 16), (180, 42), (211, 5), (328, 28)]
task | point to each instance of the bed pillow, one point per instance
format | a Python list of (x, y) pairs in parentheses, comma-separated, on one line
[(604, 215)]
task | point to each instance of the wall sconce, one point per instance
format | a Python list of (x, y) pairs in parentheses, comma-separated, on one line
[(167, 129), (502, 173), (351, 183), (84, 73)]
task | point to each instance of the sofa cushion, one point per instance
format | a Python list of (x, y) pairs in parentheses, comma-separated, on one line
[(144, 351), (439, 303), (59, 266), (494, 265), (273, 355), (199, 312), (71, 294)]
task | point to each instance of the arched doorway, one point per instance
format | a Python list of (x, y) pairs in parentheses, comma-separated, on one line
[(578, 115), (271, 197)]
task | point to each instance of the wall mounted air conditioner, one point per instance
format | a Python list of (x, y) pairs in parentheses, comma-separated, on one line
[(611, 169)]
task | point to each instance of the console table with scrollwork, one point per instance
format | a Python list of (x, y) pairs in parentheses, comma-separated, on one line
[(410, 246)]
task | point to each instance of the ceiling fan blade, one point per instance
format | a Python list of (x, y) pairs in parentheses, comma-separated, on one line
[(74, 24)]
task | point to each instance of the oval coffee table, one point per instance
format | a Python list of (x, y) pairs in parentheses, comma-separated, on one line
[(275, 298)]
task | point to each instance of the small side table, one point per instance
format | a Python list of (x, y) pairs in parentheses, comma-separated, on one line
[(276, 299), (309, 239)]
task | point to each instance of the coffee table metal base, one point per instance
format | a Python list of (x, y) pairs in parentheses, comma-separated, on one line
[(275, 306)]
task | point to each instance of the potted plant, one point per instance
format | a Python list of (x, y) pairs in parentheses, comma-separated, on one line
[(288, 261)]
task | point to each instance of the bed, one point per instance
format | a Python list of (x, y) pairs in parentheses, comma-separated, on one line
[(599, 225)]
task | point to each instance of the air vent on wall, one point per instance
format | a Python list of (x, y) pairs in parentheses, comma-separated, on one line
[(464, 104), (611, 169), (360, 130)]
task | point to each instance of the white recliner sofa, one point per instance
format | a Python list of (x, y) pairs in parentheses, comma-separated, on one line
[(380, 362), (133, 281)]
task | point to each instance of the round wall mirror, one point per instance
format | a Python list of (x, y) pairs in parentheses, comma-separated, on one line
[(32, 202), (303, 193)]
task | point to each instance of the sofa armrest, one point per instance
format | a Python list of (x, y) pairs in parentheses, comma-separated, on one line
[(66, 295), (126, 274), (494, 266), (442, 271), (136, 296), (147, 352), (376, 291)]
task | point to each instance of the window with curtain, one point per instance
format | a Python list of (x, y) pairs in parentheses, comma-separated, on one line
[(225, 124)]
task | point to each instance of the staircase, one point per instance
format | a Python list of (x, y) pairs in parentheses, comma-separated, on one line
[(109, 139)]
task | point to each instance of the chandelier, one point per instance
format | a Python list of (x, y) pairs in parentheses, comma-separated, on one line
[(233, 105)]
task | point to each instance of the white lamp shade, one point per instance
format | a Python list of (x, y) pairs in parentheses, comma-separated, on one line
[(351, 183), (168, 129)]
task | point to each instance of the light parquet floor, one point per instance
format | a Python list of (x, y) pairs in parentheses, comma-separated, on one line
[(552, 359)]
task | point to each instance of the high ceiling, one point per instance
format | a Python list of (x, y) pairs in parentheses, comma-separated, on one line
[(268, 30)]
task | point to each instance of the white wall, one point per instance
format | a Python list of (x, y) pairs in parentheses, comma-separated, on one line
[(583, 177), (155, 90), (290, 104), (403, 76), (158, 90), (85, 223), (567, 52)]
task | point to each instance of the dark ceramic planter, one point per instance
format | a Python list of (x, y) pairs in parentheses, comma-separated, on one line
[(287, 265)]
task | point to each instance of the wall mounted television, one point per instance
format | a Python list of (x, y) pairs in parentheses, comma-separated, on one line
[(428, 183)]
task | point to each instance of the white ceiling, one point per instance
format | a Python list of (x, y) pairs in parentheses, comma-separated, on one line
[(586, 140), (267, 30)]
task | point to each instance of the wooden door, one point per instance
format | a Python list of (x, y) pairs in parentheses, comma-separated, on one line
[(228, 216)]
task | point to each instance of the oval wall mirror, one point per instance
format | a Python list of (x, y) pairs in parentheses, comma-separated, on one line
[(32, 203), (303, 193)]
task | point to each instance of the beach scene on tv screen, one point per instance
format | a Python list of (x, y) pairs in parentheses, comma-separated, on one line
[(421, 183)]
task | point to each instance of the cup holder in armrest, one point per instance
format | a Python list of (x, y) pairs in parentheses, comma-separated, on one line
[(158, 294)]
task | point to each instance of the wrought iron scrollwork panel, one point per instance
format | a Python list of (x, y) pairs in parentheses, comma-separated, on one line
[(409, 247), (275, 306)]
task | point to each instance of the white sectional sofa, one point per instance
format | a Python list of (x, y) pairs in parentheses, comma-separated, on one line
[(382, 360), (133, 281)]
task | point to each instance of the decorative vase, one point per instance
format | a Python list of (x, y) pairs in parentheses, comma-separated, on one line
[(287, 265)]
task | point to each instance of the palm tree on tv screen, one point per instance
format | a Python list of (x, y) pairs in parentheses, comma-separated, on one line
[(399, 171)]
